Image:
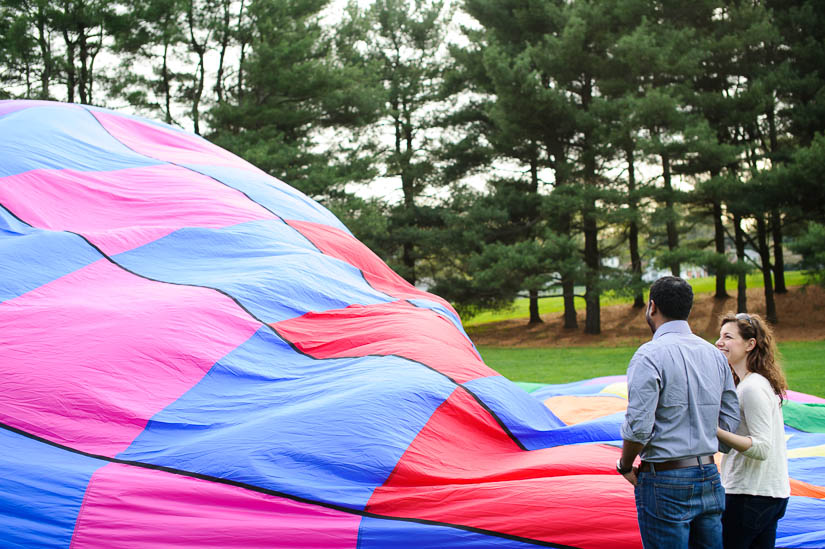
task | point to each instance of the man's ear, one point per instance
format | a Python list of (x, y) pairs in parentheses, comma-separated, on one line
[(652, 307)]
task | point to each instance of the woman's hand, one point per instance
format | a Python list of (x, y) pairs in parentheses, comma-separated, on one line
[(737, 442)]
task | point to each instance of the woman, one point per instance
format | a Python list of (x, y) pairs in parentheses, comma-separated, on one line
[(755, 472)]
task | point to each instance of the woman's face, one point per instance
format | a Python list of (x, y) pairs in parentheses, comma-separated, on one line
[(732, 345)]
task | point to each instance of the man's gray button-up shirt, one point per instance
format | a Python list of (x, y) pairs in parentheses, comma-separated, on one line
[(680, 388)]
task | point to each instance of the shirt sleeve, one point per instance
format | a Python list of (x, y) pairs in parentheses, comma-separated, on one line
[(729, 408), (643, 387), (756, 407)]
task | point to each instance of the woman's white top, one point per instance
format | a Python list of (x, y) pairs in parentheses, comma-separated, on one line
[(762, 470)]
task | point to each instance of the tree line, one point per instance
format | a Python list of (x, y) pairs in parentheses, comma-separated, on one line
[(537, 147)]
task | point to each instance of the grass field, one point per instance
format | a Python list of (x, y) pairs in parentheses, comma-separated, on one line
[(802, 361), (555, 305)]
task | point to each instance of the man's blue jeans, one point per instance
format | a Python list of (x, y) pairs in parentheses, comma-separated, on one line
[(681, 508)]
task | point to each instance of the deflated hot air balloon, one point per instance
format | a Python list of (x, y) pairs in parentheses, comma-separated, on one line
[(194, 354)]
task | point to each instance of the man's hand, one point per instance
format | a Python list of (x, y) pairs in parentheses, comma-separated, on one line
[(631, 476), (630, 450)]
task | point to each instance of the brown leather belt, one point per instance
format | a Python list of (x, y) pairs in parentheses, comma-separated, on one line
[(675, 464)]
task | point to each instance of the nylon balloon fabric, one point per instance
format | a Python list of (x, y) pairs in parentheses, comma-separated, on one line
[(195, 354)]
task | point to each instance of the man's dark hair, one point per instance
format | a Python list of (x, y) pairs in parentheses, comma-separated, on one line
[(673, 297)]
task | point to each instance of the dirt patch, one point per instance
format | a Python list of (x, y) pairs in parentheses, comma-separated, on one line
[(801, 314)]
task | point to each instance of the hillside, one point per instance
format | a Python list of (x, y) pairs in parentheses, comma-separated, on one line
[(801, 318)]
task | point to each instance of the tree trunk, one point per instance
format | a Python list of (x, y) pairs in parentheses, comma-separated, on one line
[(409, 262), (568, 285), (45, 51), (672, 233), (403, 154), (765, 256), (71, 74), (633, 228), (778, 255), (196, 99), (83, 81), (28, 71), (166, 84), (535, 318), (563, 227), (568, 291), (225, 30), (592, 319), (91, 81), (776, 217), (408, 255), (636, 264), (592, 322), (242, 56), (200, 51), (742, 284), (719, 240)]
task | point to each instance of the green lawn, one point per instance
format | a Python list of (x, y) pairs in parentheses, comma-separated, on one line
[(555, 305), (557, 365), (802, 361)]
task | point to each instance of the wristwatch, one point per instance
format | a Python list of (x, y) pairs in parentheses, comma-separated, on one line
[(619, 467)]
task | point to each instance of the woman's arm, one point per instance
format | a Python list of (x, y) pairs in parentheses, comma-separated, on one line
[(758, 405), (737, 442)]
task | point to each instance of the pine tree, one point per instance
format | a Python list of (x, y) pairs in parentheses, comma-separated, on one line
[(150, 35), (292, 90), (403, 51)]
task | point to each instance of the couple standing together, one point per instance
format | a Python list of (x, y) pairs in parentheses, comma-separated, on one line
[(686, 400)]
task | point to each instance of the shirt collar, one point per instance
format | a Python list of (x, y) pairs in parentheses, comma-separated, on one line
[(673, 327)]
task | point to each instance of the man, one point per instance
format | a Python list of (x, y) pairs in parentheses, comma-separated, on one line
[(680, 389)]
